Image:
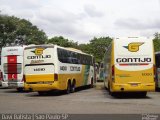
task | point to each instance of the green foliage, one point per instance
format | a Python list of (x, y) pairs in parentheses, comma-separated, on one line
[(98, 47), (156, 42), (85, 48), (12, 28), (61, 41)]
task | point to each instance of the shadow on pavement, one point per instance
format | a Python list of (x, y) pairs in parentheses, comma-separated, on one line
[(125, 95), (15, 91), (55, 92), (157, 89)]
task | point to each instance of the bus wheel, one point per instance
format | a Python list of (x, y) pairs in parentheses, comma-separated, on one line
[(92, 85), (105, 86), (20, 89), (73, 87), (143, 94), (68, 87), (109, 90), (42, 93)]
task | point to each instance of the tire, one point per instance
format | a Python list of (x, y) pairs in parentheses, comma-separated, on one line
[(73, 87), (20, 89), (109, 90), (68, 90), (42, 93), (92, 85), (105, 86), (143, 94)]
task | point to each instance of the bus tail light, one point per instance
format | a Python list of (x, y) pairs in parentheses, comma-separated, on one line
[(56, 77), (24, 78), (113, 70), (1, 76)]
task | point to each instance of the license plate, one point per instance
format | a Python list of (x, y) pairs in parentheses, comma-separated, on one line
[(134, 85), (11, 80), (12, 84)]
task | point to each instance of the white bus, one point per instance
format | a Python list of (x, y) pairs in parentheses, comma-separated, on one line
[(12, 67), (129, 66), (51, 67)]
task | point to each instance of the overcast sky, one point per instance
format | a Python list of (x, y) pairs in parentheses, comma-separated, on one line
[(81, 20)]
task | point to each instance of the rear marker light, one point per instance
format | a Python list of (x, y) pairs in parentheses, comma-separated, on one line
[(56, 77)]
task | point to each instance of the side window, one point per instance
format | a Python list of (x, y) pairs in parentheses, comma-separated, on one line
[(66, 56), (158, 60), (83, 59), (74, 58), (79, 58), (60, 55)]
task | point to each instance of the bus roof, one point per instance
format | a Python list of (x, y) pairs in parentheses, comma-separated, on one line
[(74, 49), (52, 46), (130, 38), (12, 50)]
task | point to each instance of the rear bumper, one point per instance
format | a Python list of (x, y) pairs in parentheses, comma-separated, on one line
[(133, 88), (15, 84), (41, 87)]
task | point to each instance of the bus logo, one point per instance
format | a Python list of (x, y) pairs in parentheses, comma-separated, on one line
[(134, 46), (38, 51), (13, 76)]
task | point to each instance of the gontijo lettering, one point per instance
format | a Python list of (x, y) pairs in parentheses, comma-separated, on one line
[(39, 57), (133, 60)]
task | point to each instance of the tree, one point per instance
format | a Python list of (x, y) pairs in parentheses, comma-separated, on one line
[(12, 28), (61, 41), (156, 42), (98, 47), (85, 48)]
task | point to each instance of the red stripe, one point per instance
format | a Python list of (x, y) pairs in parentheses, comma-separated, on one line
[(134, 64), (123, 64), (144, 64), (12, 66)]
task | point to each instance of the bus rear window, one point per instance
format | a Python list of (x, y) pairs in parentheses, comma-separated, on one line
[(12, 68)]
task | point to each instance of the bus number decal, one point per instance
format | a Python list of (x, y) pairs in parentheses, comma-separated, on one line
[(146, 74), (63, 68), (74, 68), (39, 69)]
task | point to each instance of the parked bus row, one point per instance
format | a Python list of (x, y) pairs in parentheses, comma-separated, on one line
[(43, 68), (129, 65)]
